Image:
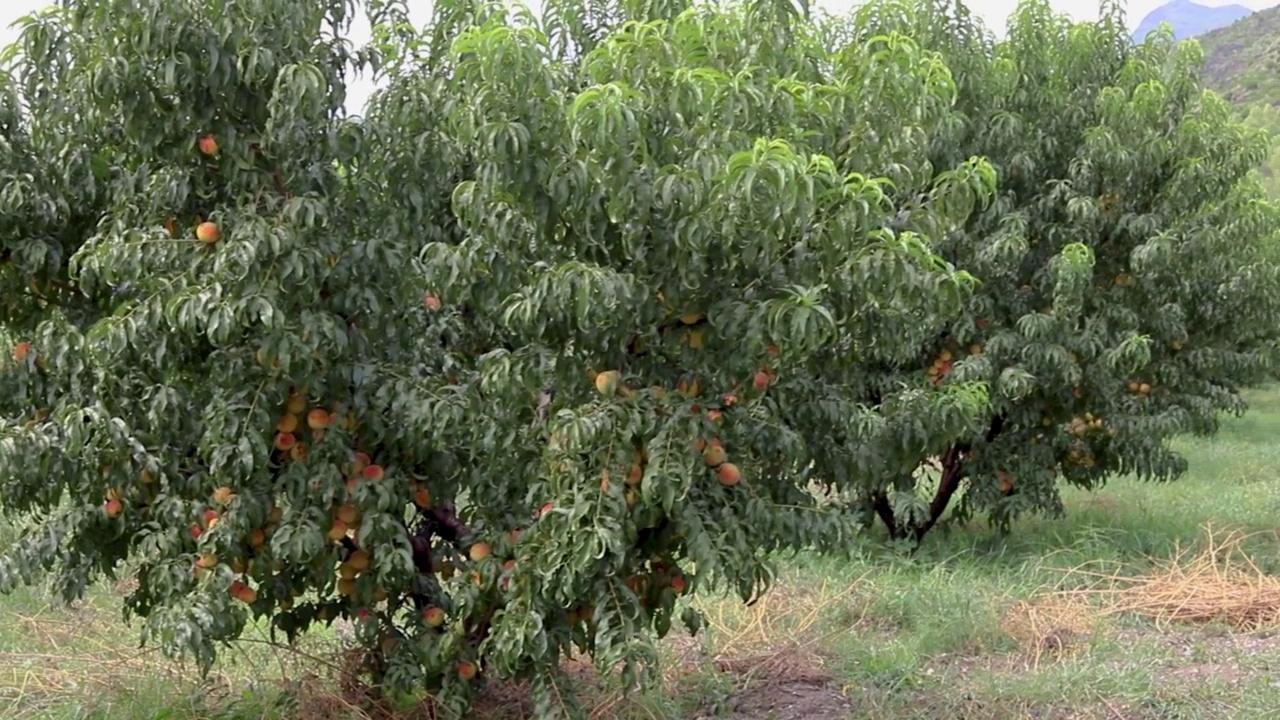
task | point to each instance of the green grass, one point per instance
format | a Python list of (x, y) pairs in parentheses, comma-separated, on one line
[(969, 627)]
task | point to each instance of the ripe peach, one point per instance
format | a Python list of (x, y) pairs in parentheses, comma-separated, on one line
[(296, 404), (635, 475), (729, 474), (373, 472), (288, 423), (348, 514), (359, 560), (546, 509), (466, 670), (298, 452), (209, 145), (715, 415), (347, 587), (210, 517), (433, 302), (208, 233), (422, 498), (318, 419), (761, 381), (223, 495), (21, 351), (362, 461), (257, 538), (678, 584), (243, 593), (286, 441), (607, 382), (113, 508), (207, 560), (338, 530), (480, 551), (433, 616)]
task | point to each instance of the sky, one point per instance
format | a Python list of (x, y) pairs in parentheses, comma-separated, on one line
[(993, 12)]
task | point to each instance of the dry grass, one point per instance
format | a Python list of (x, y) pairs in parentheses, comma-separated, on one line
[(1050, 627), (1218, 582)]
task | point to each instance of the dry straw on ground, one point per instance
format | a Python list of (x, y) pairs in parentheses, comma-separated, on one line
[(1215, 583)]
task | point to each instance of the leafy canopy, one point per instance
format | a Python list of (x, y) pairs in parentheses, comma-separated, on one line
[(590, 307)]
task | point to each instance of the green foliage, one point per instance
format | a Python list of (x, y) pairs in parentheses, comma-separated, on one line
[(1266, 117), (1127, 262), (561, 264)]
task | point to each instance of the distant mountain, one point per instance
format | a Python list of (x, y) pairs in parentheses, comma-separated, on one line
[(1242, 61), (1189, 19)]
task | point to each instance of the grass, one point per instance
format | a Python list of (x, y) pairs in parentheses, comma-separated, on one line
[(976, 625)]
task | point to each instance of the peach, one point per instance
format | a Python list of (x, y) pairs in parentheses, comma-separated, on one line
[(422, 498), (607, 382), (223, 495), (113, 508), (362, 461), (373, 472), (208, 233), (285, 441), (21, 351), (433, 616), (297, 403), (466, 670), (359, 560), (338, 530), (288, 423), (714, 456), (348, 514), (729, 474), (318, 419), (433, 302), (480, 551), (243, 593), (209, 145)]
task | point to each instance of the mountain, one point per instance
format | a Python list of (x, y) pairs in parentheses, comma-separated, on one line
[(1242, 62), (1189, 19)]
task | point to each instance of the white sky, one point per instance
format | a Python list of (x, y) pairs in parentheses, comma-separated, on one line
[(993, 12)]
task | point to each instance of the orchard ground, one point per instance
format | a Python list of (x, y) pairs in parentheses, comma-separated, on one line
[(1068, 618)]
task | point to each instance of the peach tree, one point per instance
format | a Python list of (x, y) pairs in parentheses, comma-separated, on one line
[(571, 323), (1128, 268)]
